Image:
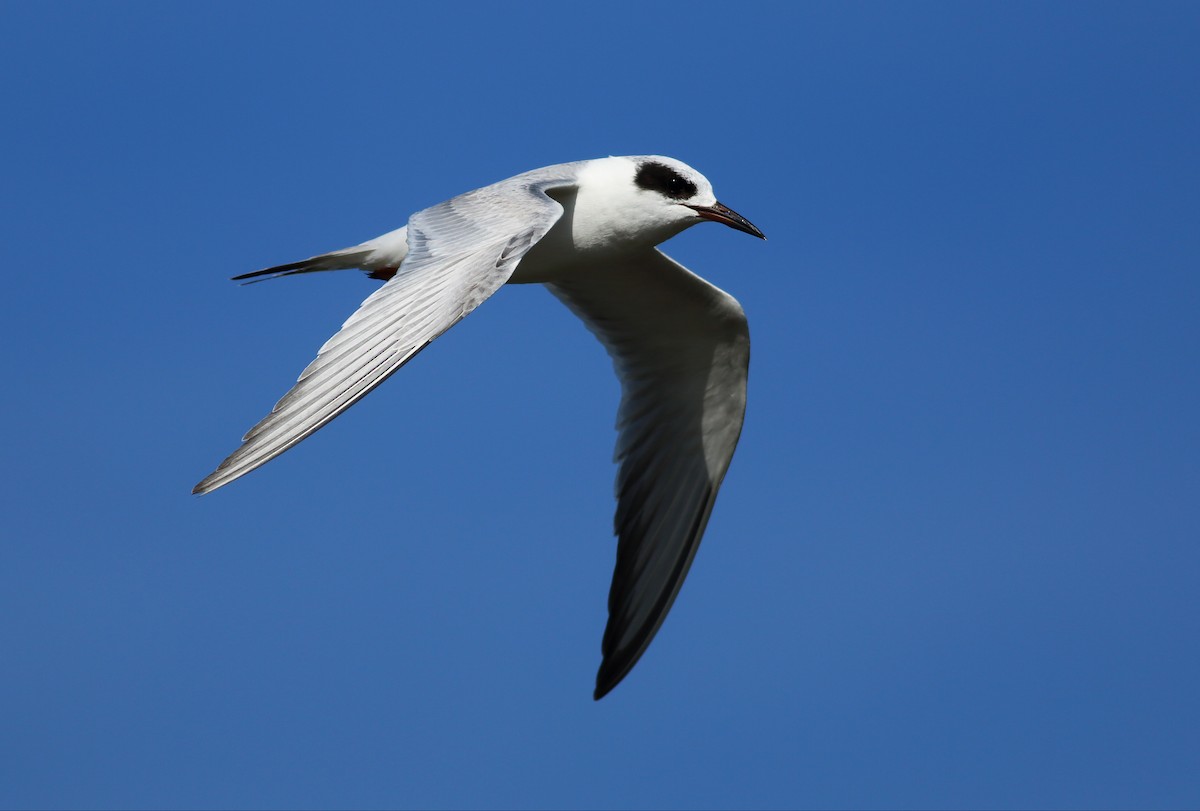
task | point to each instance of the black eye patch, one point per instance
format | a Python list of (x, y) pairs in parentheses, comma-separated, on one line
[(664, 180)]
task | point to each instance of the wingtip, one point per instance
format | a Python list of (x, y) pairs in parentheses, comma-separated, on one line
[(608, 677), (600, 692), (207, 484)]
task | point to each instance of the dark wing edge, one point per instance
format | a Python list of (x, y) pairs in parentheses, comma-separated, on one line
[(680, 347)]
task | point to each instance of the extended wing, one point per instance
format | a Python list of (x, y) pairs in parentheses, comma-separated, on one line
[(459, 253), (681, 348)]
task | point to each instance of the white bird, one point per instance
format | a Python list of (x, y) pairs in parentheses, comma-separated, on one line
[(679, 345)]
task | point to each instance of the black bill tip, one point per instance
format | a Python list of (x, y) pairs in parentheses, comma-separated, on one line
[(718, 212)]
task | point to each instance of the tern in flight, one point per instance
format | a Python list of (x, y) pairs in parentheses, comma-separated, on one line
[(680, 346)]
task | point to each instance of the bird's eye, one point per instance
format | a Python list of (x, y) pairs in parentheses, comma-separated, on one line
[(657, 177)]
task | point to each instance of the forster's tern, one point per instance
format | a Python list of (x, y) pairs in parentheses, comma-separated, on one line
[(588, 231)]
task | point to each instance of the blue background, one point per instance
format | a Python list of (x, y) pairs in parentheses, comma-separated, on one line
[(955, 561)]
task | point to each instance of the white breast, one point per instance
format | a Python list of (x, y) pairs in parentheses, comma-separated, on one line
[(604, 217)]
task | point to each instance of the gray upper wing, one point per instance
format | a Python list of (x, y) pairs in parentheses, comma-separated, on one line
[(681, 348), (460, 252)]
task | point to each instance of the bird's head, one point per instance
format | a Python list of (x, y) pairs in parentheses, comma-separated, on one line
[(646, 198), (682, 194)]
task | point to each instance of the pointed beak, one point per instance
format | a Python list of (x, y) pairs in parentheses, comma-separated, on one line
[(724, 214)]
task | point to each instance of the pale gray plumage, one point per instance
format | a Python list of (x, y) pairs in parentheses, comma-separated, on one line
[(679, 345), (458, 253)]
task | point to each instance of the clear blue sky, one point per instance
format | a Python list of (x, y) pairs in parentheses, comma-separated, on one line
[(955, 562)]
